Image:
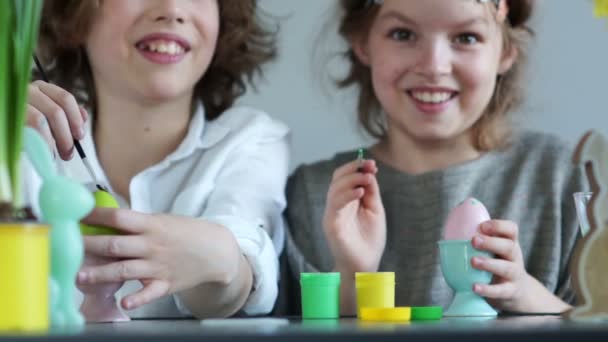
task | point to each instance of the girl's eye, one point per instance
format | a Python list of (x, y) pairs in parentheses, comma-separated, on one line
[(467, 39), (401, 35)]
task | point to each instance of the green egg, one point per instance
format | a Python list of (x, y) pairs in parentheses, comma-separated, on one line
[(103, 199)]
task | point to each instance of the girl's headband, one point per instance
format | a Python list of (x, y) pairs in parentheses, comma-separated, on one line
[(502, 7)]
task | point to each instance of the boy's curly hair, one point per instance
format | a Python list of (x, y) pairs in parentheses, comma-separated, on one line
[(493, 129), (244, 44)]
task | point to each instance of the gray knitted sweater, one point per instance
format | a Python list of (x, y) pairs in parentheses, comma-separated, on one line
[(530, 183)]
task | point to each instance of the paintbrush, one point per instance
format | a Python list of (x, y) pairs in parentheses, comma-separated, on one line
[(360, 160), (81, 153)]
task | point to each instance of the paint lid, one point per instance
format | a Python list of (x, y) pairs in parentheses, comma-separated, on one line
[(399, 314), (320, 279), (427, 313), (377, 278)]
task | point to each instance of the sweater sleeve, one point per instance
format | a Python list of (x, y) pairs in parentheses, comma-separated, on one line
[(301, 242)]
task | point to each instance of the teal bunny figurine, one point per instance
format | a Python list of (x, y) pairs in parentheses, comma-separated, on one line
[(63, 203)]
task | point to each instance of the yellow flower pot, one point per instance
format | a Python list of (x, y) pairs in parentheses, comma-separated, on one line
[(24, 277)]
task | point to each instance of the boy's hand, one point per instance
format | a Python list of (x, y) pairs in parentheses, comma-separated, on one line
[(166, 253), (56, 115)]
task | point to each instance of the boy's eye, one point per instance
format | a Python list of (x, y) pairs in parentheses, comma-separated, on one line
[(467, 39), (401, 35)]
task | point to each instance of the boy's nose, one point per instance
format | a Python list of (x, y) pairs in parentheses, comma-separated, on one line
[(169, 11)]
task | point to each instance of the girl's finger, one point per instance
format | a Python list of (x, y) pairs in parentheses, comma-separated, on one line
[(504, 248), (498, 267), (372, 198), (368, 166), (498, 291), (340, 200), (344, 190), (350, 181), (506, 229)]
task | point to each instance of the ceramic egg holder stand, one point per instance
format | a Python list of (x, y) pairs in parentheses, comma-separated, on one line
[(99, 304), (63, 203), (456, 252), (588, 270)]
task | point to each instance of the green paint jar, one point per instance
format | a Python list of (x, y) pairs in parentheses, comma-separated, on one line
[(320, 295)]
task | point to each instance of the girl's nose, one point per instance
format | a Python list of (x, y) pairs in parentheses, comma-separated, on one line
[(434, 59)]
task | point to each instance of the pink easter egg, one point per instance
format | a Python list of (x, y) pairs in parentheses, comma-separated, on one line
[(464, 220)]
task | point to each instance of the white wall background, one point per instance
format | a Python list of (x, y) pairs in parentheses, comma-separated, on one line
[(568, 90)]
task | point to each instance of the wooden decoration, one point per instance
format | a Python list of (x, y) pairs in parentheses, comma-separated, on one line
[(588, 267)]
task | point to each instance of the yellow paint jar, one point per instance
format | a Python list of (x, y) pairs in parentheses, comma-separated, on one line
[(401, 314), (24, 277), (375, 290)]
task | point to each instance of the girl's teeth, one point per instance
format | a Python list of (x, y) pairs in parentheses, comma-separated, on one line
[(432, 97)]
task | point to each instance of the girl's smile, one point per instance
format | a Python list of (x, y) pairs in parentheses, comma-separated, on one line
[(432, 101)]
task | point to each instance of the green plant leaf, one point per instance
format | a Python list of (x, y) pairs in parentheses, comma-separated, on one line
[(26, 37), (19, 23), (5, 29)]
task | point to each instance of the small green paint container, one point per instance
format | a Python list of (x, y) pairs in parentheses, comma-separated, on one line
[(320, 295), (427, 313)]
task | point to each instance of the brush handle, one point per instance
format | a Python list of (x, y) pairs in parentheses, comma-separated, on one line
[(79, 149), (45, 78)]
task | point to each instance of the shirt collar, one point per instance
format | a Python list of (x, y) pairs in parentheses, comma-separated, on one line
[(202, 134)]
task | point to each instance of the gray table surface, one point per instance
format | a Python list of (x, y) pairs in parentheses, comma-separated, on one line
[(513, 329)]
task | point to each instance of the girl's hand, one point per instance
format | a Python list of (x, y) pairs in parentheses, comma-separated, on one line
[(56, 115), (512, 288), (166, 253), (500, 238), (354, 220)]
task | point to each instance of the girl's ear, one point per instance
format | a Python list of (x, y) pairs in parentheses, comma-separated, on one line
[(360, 47), (509, 57)]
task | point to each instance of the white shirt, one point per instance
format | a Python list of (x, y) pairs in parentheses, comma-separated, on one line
[(230, 171)]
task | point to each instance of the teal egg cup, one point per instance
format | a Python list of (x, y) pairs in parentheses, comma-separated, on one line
[(460, 275)]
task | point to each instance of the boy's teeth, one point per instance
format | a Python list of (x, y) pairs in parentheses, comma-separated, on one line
[(435, 97), (170, 48)]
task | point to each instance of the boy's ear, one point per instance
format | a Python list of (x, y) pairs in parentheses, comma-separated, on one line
[(509, 57), (360, 48)]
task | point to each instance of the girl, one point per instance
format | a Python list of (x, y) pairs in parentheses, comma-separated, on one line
[(200, 182), (437, 81)]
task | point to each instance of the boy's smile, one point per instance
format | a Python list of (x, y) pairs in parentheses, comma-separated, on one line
[(152, 50), (163, 48)]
